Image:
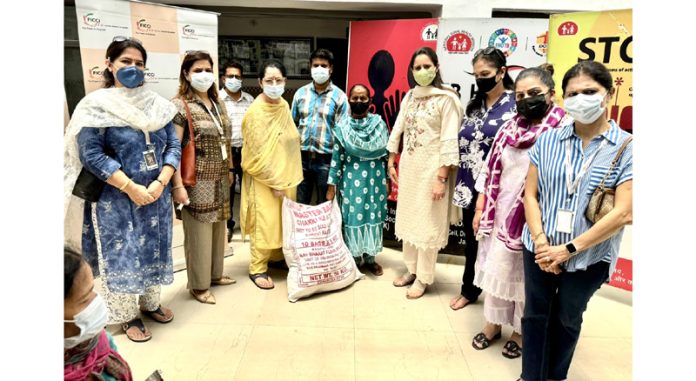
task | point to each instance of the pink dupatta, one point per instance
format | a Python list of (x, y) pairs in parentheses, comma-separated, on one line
[(101, 358), (516, 133)]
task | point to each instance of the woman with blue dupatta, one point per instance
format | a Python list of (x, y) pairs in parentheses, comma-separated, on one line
[(359, 170)]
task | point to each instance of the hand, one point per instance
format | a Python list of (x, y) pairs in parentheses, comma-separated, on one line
[(181, 196), (477, 220), (552, 255), (155, 189), (230, 177), (556, 269), (393, 176), (278, 193), (139, 194), (541, 242), (331, 192), (438, 190)]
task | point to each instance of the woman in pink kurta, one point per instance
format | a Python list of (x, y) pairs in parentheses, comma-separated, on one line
[(499, 216)]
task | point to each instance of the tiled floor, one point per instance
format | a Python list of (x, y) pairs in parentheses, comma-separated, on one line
[(368, 331)]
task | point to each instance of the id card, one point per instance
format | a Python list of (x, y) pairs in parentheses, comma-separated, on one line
[(150, 159), (223, 149), (564, 221)]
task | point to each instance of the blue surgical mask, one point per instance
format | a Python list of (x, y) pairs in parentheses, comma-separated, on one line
[(233, 84), (274, 92), (130, 76)]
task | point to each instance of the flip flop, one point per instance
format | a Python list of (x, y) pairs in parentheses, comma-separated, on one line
[(253, 278), (513, 350), (158, 315), (481, 342), (138, 323)]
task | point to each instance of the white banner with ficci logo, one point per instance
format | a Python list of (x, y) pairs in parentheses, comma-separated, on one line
[(167, 33), (523, 41)]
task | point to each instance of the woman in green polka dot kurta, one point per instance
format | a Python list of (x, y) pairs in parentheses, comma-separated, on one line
[(359, 173)]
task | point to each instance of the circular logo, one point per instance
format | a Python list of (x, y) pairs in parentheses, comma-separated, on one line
[(188, 30), (459, 42), (505, 40), (568, 28), (96, 73), (429, 33), (542, 43)]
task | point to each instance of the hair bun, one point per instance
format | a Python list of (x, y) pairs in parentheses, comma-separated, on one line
[(546, 67)]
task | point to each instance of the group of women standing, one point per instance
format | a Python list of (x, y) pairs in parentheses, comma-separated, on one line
[(521, 170)]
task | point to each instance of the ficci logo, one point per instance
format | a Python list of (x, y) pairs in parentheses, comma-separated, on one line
[(90, 19), (143, 25), (96, 73), (149, 74), (188, 30)]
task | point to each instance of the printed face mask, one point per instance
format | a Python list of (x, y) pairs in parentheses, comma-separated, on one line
[(90, 321), (585, 108), (424, 77)]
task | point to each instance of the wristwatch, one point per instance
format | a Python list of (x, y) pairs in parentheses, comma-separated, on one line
[(571, 248)]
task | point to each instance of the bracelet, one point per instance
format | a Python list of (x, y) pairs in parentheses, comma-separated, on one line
[(160, 181), (124, 185), (537, 236), (179, 187)]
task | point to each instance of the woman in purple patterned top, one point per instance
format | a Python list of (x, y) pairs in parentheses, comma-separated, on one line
[(492, 105)]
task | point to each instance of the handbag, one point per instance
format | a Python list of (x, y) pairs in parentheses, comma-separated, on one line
[(88, 186), (602, 200), (188, 154)]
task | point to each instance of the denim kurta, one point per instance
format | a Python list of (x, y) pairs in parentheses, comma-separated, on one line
[(135, 242)]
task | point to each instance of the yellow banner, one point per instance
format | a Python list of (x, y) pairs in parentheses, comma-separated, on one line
[(605, 37)]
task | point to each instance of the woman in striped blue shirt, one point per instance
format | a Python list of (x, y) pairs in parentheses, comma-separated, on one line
[(567, 257)]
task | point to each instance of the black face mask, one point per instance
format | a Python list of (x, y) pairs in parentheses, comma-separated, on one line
[(359, 108), (533, 108), (486, 84)]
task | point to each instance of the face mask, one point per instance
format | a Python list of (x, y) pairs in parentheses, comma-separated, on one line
[(320, 75), (202, 81), (233, 84), (424, 77), (90, 321), (130, 76), (486, 84), (359, 108), (533, 108), (585, 108), (273, 92)]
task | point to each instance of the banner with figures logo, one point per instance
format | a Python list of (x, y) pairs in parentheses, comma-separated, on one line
[(166, 32), (605, 37), (522, 40)]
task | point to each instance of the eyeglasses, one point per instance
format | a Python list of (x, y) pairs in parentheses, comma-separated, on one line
[(124, 38), (489, 51)]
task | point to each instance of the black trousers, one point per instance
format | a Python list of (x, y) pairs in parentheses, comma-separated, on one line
[(237, 162), (469, 291), (553, 310)]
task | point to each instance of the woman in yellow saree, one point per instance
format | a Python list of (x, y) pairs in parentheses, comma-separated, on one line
[(272, 170)]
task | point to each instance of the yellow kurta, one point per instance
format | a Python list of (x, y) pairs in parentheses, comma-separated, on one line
[(270, 160)]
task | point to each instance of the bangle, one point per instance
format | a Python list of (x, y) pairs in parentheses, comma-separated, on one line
[(179, 187), (537, 235), (124, 185), (160, 181)]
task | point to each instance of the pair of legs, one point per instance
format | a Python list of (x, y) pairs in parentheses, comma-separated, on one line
[(204, 247), (315, 169), (553, 316), (125, 309), (420, 264), (497, 312), (469, 292), (258, 266), (237, 162)]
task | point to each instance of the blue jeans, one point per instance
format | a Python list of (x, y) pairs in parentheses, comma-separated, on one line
[(315, 169), (554, 305)]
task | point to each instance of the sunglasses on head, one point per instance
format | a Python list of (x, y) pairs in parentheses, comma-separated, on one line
[(124, 38), (194, 52)]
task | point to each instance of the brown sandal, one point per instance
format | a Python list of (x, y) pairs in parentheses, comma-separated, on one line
[(223, 281), (375, 268), (206, 297), (136, 323), (158, 315)]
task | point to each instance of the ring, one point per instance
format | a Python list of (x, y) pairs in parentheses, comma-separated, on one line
[(548, 259)]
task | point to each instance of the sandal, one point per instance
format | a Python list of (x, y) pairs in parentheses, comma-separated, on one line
[(223, 281), (482, 342), (513, 350), (206, 297), (456, 300), (138, 323), (419, 289), (404, 280), (254, 277), (374, 268), (158, 315)]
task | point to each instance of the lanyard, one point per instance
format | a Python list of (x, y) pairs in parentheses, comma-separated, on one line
[(218, 122), (573, 185)]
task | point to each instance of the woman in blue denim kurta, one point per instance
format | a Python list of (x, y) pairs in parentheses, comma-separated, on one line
[(123, 134)]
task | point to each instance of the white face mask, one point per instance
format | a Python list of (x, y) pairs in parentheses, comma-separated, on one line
[(202, 81), (233, 84), (90, 321), (273, 92), (585, 108), (320, 74)]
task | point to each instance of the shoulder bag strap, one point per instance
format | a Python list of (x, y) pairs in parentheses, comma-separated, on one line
[(616, 160)]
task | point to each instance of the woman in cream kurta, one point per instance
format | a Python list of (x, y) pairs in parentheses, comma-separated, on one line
[(272, 170), (429, 121)]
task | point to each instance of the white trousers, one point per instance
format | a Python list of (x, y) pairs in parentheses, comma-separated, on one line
[(420, 262)]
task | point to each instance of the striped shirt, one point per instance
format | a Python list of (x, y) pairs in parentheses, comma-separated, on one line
[(548, 155), (236, 111), (316, 115)]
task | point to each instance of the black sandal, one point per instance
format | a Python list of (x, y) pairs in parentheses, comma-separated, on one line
[(513, 350), (483, 342), (139, 324), (156, 314), (253, 278)]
